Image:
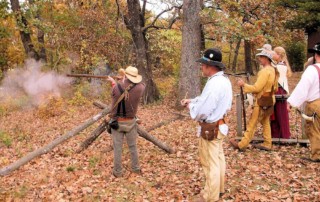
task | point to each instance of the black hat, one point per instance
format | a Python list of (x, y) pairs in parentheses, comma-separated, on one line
[(212, 57), (315, 49)]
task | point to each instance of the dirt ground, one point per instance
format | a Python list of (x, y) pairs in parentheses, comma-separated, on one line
[(64, 175)]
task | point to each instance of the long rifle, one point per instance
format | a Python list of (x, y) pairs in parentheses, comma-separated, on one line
[(243, 110), (247, 75), (93, 76)]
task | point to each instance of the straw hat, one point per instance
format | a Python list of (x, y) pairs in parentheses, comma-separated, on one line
[(132, 74)]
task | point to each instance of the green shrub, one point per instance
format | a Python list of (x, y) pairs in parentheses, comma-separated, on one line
[(5, 139), (81, 94), (296, 51), (3, 111), (22, 192), (93, 161), (71, 168)]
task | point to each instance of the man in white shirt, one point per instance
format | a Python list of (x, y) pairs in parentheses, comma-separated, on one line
[(307, 92), (209, 110)]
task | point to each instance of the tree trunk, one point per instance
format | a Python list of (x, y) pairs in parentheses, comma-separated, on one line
[(230, 54), (247, 54), (145, 134), (45, 149), (253, 58), (235, 57), (313, 38), (189, 80), (203, 40), (24, 31), (40, 36), (135, 22)]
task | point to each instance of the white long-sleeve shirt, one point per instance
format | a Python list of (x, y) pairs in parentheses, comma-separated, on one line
[(307, 89), (214, 101)]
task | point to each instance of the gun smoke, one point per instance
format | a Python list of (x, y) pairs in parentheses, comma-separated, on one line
[(32, 83)]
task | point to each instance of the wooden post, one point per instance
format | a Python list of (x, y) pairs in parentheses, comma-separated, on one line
[(239, 114), (303, 123)]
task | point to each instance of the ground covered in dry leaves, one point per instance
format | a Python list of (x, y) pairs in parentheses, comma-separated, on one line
[(64, 175)]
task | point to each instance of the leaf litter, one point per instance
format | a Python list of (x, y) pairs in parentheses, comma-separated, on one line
[(64, 175)]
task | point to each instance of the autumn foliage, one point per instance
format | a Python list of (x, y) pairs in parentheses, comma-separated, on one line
[(83, 37)]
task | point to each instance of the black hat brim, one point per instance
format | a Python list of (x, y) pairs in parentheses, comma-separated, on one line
[(311, 50), (220, 65)]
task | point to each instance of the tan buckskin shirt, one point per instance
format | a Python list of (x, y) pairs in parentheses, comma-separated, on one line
[(266, 79), (131, 102)]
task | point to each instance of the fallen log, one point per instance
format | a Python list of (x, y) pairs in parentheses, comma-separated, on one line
[(102, 127), (154, 140), (94, 135), (45, 149), (162, 123), (145, 134)]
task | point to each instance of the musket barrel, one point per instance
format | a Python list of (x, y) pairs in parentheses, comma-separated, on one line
[(92, 76)]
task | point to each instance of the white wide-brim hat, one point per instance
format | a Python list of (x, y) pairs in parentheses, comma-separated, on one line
[(266, 46), (268, 54), (132, 74)]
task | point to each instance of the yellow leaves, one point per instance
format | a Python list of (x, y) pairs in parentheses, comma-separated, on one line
[(53, 108), (15, 54), (60, 7), (4, 161)]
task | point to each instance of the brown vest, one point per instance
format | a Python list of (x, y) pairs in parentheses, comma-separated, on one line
[(132, 101)]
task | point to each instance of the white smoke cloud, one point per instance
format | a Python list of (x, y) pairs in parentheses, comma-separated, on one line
[(30, 81)]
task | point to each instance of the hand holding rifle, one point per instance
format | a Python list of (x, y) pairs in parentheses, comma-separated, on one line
[(241, 83), (111, 80)]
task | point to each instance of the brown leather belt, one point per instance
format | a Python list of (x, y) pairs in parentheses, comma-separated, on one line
[(125, 119), (219, 122)]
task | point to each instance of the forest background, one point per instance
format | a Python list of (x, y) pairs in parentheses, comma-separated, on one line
[(87, 36)]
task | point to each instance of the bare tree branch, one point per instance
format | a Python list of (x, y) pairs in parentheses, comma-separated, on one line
[(152, 24), (119, 13), (144, 7)]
